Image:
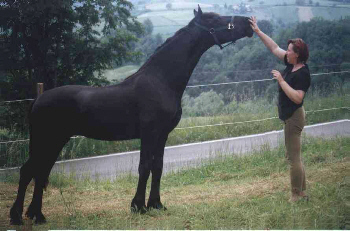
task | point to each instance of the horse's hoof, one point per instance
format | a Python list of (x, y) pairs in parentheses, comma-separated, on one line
[(30, 214), (138, 207), (16, 217), (40, 219), (156, 204), (141, 210), (16, 222)]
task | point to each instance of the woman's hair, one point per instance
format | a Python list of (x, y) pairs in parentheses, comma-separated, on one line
[(300, 47)]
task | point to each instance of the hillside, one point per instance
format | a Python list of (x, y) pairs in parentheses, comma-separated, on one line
[(167, 21)]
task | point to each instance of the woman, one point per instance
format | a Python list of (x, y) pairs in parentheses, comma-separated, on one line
[(293, 84)]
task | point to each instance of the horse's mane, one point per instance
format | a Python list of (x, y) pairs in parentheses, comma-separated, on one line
[(169, 40), (178, 33)]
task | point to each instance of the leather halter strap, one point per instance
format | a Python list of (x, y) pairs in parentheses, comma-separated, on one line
[(213, 31)]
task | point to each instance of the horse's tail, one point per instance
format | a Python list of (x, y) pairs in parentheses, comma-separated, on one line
[(33, 156), (30, 127)]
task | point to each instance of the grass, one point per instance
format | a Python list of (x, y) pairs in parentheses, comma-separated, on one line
[(249, 192)]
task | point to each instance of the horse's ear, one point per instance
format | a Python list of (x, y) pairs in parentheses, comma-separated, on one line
[(198, 14)]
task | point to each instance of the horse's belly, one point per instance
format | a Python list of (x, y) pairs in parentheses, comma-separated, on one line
[(104, 130)]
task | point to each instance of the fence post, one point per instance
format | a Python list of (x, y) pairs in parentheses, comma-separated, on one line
[(39, 88)]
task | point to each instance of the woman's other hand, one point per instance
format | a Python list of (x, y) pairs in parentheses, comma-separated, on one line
[(277, 75)]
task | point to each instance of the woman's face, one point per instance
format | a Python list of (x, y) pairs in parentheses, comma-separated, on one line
[(292, 57)]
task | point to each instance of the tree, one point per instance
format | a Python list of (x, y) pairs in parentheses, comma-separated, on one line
[(61, 42), (148, 25), (266, 26), (148, 42), (300, 2), (216, 7), (169, 6), (208, 103)]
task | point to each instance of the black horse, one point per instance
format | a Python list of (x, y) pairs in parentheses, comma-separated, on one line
[(146, 105)]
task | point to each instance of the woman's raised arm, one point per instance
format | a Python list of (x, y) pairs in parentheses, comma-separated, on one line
[(269, 43)]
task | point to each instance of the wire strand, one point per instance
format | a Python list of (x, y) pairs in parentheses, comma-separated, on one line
[(251, 121), (209, 125), (258, 80), (258, 70), (14, 141), (215, 84), (14, 101)]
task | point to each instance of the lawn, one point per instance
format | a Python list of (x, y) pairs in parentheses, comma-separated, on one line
[(249, 192)]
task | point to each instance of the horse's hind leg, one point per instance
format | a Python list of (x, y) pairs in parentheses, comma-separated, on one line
[(47, 155), (26, 175)]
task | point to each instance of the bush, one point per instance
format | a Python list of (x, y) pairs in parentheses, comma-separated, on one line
[(206, 104)]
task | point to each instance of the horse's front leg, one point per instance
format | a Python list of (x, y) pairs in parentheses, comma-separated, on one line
[(157, 170), (148, 141)]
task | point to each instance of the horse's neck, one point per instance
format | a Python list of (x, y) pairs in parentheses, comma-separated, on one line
[(176, 60)]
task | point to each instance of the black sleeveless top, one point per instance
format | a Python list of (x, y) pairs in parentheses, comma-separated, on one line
[(298, 80)]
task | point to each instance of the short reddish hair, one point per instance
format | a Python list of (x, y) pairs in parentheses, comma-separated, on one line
[(300, 47)]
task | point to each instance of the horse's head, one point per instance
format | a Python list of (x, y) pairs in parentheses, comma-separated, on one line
[(223, 29)]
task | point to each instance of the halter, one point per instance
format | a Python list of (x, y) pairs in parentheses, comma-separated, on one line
[(213, 31)]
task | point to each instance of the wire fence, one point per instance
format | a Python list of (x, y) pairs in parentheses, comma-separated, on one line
[(14, 147), (261, 80), (223, 83), (208, 85), (208, 125)]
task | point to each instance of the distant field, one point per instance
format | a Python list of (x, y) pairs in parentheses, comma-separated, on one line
[(176, 5), (265, 2), (330, 13), (167, 22)]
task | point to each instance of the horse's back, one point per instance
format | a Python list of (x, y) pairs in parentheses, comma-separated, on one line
[(108, 113), (58, 100)]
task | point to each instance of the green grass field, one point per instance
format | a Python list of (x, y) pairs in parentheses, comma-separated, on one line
[(249, 192)]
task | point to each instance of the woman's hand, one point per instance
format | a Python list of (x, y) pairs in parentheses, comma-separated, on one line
[(253, 24), (277, 75), (296, 96)]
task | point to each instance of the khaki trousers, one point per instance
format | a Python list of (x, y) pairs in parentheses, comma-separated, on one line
[(292, 135)]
